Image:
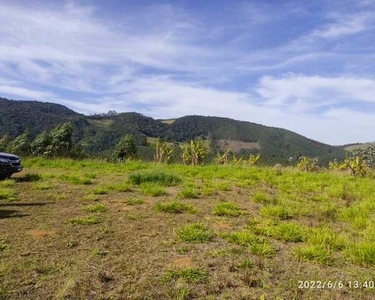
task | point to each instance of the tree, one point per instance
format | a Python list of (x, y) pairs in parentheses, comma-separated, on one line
[(61, 139), (4, 142), (367, 155), (126, 148), (21, 144), (42, 145)]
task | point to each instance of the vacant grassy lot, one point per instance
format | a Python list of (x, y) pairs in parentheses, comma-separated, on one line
[(94, 230)]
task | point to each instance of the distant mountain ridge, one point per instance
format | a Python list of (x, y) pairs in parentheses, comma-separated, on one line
[(98, 134)]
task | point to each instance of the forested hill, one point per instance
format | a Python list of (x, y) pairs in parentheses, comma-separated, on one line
[(17, 116), (99, 134)]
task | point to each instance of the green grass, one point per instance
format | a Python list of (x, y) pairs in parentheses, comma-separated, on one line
[(8, 194), (122, 187), (156, 177), (276, 212), (174, 207), (101, 190), (262, 197), (135, 201), (75, 179), (314, 253), (96, 208), (228, 209), (85, 220), (42, 186), (153, 189), (188, 193), (190, 275), (328, 238), (91, 197), (3, 245), (257, 245), (265, 234), (195, 233), (362, 253), (289, 232)]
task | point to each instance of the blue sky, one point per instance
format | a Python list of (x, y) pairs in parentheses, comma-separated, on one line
[(307, 66)]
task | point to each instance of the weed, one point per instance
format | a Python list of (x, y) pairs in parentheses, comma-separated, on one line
[(96, 208), (362, 253), (262, 197), (154, 177), (42, 186), (227, 209), (188, 193), (246, 264), (30, 177), (175, 207), (134, 201), (101, 190), (327, 237), (153, 189), (190, 275), (75, 179), (91, 197), (179, 293), (85, 220), (3, 245), (289, 232), (8, 194), (315, 253), (195, 233), (257, 245), (276, 211), (122, 187)]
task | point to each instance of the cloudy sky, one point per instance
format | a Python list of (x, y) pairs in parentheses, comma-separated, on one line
[(307, 66)]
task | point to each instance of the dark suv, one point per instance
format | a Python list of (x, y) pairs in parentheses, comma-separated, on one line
[(9, 164)]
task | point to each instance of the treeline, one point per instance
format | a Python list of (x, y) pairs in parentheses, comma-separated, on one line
[(57, 142)]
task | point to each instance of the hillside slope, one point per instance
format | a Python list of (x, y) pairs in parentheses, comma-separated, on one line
[(99, 134)]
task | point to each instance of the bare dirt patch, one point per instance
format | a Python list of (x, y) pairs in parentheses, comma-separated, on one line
[(236, 146)]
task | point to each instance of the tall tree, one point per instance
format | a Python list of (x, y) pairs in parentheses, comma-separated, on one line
[(126, 148), (21, 144)]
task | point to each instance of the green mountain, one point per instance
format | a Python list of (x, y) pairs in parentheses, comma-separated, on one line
[(98, 134)]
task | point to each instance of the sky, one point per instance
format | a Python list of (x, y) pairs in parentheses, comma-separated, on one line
[(306, 66)]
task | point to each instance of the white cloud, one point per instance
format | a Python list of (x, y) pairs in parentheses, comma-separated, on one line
[(165, 62), (345, 25), (316, 90)]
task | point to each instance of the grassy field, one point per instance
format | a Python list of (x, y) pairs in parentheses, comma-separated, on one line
[(94, 230)]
